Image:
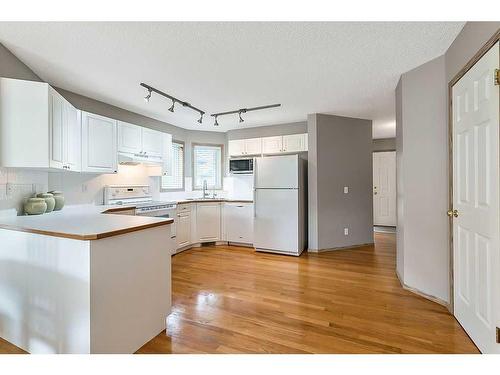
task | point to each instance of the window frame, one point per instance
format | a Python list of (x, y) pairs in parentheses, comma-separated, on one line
[(183, 188), (193, 182)]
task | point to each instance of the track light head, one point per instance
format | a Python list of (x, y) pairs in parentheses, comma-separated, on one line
[(200, 120), (215, 122), (148, 96), (239, 114), (171, 109)]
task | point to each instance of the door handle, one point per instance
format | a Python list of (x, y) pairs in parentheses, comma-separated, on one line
[(375, 193), (453, 213)]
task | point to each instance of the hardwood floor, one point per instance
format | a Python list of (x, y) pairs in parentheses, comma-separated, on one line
[(232, 300)]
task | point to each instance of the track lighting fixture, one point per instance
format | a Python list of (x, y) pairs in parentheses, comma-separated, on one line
[(148, 96), (243, 110), (200, 120), (173, 99)]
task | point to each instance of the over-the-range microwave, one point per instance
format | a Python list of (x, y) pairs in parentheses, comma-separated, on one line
[(241, 166)]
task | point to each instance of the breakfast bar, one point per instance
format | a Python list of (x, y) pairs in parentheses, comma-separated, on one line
[(80, 281)]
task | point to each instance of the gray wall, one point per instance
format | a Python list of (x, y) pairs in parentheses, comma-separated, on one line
[(12, 67), (340, 154), (384, 144), (422, 152), (268, 131), (423, 175)]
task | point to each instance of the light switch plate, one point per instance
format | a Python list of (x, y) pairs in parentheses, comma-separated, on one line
[(346, 189), (346, 231)]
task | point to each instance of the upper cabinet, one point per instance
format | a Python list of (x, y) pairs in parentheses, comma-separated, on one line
[(99, 151), (38, 127), (272, 145), (244, 147), (65, 134), (295, 143), (143, 142), (268, 145)]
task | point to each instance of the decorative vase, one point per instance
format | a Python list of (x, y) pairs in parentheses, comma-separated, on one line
[(35, 206), (59, 198), (49, 199)]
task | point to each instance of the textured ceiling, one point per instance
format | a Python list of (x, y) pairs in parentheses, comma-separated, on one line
[(348, 69)]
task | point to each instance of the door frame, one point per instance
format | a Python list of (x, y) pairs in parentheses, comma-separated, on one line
[(479, 54)]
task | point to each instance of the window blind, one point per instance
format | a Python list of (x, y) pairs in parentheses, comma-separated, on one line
[(176, 180), (207, 165)]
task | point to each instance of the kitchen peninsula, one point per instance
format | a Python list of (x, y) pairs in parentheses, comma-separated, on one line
[(74, 281)]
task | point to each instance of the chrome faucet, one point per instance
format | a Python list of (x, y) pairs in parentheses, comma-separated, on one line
[(205, 192)]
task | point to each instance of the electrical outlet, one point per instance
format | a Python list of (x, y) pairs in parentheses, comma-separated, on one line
[(346, 231), (346, 189)]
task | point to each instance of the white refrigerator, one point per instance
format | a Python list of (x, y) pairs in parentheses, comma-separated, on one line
[(280, 204)]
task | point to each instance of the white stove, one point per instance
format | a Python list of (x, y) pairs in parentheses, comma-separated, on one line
[(140, 197)]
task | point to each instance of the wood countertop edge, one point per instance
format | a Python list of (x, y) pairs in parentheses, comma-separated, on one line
[(86, 237), (118, 209)]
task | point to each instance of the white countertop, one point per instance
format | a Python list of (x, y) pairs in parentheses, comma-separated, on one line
[(81, 223)]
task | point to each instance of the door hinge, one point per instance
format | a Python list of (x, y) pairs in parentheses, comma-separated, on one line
[(497, 77)]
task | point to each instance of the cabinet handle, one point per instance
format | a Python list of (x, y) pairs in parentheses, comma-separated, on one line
[(239, 206)]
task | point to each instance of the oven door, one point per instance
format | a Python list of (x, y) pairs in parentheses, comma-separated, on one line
[(241, 166)]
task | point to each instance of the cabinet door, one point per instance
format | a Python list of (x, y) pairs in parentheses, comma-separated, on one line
[(272, 145), (239, 222), (253, 146), (152, 142), (236, 147), (208, 221), (98, 144), (56, 130), (295, 143), (183, 229), (72, 138), (129, 138)]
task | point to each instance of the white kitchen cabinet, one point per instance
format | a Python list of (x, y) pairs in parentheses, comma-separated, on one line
[(72, 133), (253, 146), (152, 143), (183, 228), (129, 138), (38, 127), (65, 134), (272, 145), (99, 149), (167, 154), (243, 147), (236, 147), (238, 218), (208, 221), (295, 143)]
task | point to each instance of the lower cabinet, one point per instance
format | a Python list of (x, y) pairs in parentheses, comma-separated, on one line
[(183, 227), (239, 222), (208, 221)]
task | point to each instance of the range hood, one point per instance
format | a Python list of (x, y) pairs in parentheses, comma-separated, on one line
[(136, 159)]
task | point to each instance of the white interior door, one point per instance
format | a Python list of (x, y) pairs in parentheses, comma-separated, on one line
[(476, 262), (384, 188)]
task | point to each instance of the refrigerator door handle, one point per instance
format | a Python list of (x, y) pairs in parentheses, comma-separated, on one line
[(254, 205)]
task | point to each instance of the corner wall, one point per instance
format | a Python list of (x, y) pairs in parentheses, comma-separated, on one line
[(340, 154)]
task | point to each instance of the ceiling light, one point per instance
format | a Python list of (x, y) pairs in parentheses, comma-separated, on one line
[(171, 109), (148, 96), (216, 123), (243, 110), (239, 114), (201, 118)]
